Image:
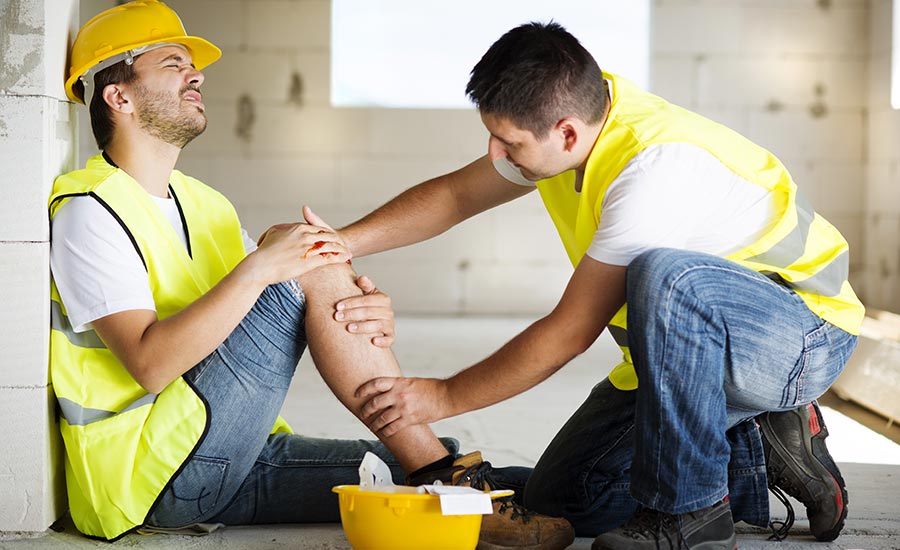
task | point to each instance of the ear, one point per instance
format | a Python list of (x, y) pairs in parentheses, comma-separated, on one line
[(568, 129), (118, 98)]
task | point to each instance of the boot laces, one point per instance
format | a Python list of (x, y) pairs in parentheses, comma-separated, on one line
[(780, 529), (648, 523), (479, 477)]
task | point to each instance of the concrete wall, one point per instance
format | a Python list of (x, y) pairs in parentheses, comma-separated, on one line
[(37, 142), (271, 151), (881, 210), (791, 74)]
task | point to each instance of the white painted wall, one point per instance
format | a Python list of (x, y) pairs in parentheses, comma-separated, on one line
[(37, 142)]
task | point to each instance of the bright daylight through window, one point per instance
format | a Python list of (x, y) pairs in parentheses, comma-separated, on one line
[(414, 54)]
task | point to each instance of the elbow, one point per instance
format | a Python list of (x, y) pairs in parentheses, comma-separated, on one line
[(572, 341), (147, 378), (580, 345)]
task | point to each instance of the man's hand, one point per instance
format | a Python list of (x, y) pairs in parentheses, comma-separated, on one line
[(290, 250), (397, 403), (369, 314)]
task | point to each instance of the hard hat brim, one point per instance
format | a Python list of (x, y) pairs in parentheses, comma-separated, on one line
[(203, 53)]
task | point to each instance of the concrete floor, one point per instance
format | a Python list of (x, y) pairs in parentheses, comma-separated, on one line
[(515, 433)]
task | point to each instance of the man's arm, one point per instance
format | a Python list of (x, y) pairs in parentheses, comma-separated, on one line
[(430, 208), (155, 352), (594, 294)]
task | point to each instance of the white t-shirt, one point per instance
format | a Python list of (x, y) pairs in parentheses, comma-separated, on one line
[(95, 266), (675, 195)]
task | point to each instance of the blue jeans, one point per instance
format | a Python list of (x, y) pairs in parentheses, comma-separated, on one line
[(240, 474), (714, 345)]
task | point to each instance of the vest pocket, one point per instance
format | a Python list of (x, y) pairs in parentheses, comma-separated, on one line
[(194, 495)]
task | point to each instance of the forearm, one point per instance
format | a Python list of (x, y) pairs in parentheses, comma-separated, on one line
[(522, 363), (170, 347), (594, 294), (431, 208)]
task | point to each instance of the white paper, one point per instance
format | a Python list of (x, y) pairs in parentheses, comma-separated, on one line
[(374, 474), (456, 501)]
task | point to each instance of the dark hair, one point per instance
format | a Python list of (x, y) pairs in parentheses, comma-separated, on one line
[(101, 117), (536, 75)]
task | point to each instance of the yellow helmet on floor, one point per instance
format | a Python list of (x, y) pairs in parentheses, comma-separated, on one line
[(123, 32)]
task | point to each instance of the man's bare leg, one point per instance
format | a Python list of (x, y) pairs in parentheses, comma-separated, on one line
[(347, 360)]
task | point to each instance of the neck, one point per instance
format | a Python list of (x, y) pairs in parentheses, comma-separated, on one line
[(146, 159), (593, 134)]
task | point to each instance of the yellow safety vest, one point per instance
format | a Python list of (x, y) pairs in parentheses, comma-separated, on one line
[(123, 445), (802, 249)]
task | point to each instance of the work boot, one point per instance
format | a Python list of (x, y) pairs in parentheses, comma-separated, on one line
[(708, 529), (798, 462), (511, 526)]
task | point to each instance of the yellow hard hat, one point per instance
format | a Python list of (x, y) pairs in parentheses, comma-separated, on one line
[(122, 32)]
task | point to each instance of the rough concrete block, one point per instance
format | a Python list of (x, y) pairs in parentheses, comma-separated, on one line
[(417, 287), (755, 80), (672, 76), (882, 262), (291, 25), (200, 166), (832, 187), (427, 132), (884, 133), (879, 82), (804, 29), (87, 147), (715, 27), (279, 182), (295, 78), (880, 23), (794, 133), (25, 315), (525, 232), (280, 128), (31, 460), (852, 227), (737, 117), (883, 188), (368, 181), (265, 75), (34, 40), (221, 136), (37, 145), (222, 22), (849, 89)]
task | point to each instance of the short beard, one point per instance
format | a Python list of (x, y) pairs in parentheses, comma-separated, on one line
[(161, 117)]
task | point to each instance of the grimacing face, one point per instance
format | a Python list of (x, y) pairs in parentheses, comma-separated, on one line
[(167, 95)]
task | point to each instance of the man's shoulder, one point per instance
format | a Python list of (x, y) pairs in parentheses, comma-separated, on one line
[(83, 180)]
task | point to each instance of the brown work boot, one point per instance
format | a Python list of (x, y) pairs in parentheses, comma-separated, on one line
[(511, 526)]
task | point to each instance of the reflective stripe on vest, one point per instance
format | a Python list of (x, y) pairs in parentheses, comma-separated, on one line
[(60, 322), (124, 445), (801, 250), (76, 415)]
